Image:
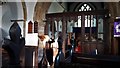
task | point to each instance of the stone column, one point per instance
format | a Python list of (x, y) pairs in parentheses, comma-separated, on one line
[(40, 10)]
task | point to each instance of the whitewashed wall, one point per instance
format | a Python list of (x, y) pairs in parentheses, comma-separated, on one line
[(55, 8), (31, 38), (10, 11)]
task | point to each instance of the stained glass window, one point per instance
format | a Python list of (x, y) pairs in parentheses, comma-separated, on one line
[(85, 7)]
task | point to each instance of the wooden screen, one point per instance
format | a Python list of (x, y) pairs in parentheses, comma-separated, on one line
[(87, 27)]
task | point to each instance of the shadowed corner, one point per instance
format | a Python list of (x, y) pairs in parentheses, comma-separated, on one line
[(0, 48), (0, 53), (0, 57)]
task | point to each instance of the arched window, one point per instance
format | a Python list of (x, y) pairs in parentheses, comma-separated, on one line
[(86, 7)]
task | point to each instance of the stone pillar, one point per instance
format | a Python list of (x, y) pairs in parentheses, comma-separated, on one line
[(40, 10)]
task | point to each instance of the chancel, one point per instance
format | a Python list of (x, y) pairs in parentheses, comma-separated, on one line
[(60, 34)]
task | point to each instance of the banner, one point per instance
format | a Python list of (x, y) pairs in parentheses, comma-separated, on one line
[(117, 29)]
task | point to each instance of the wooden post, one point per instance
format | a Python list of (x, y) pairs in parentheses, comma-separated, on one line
[(36, 57), (97, 31), (64, 33), (57, 26), (83, 26), (90, 32), (46, 28), (52, 27), (35, 27), (82, 31)]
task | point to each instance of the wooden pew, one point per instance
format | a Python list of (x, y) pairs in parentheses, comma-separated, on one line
[(91, 61), (99, 61)]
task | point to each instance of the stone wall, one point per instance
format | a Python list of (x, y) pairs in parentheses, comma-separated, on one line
[(40, 10)]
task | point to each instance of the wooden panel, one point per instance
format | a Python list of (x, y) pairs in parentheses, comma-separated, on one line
[(35, 27), (29, 53), (53, 28), (30, 27), (73, 14), (88, 47), (64, 33), (93, 47), (100, 48), (95, 61)]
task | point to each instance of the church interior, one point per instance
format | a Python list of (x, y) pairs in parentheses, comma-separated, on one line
[(59, 34)]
